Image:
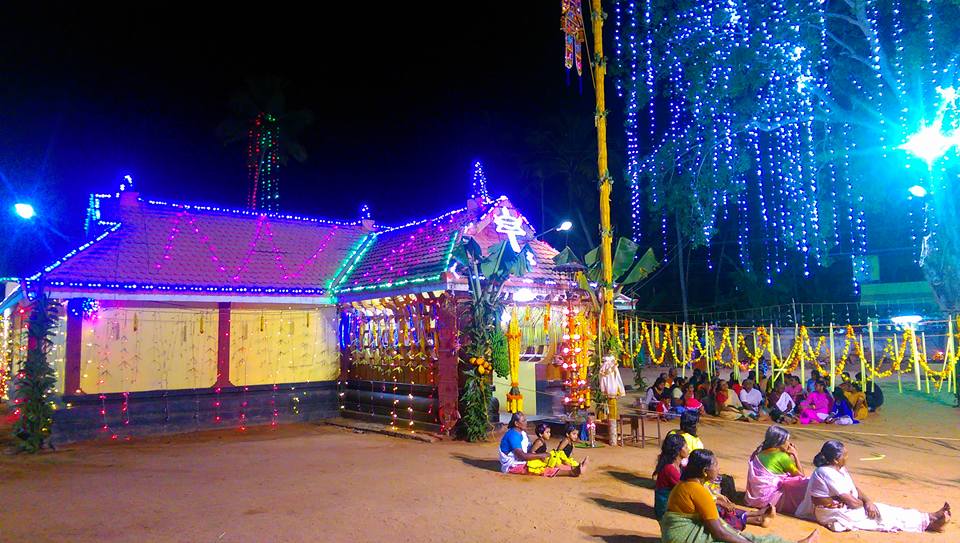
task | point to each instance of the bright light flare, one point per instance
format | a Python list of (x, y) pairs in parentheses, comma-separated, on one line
[(564, 226), (917, 191), (24, 211), (906, 320), (524, 295), (930, 143)]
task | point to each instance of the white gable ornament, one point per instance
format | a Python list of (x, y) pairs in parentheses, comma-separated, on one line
[(511, 226)]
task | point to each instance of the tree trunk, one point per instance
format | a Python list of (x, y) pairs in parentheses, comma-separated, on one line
[(716, 280), (683, 280)]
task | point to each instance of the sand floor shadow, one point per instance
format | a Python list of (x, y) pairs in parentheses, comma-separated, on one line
[(632, 507), (615, 536), (482, 463), (632, 478)]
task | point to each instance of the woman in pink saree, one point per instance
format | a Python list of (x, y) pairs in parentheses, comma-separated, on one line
[(774, 474), (816, 407)]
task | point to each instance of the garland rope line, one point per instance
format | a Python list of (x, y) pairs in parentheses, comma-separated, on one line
[(658, 343)]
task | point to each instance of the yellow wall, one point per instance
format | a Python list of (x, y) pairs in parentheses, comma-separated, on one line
[(133, 349), (528, 387), (293, 346)]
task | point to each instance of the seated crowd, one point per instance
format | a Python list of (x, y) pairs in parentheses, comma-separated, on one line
[(694, 503), (692, 506), (783, 401)]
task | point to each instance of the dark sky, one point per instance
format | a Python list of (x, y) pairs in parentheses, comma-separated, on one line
[(405, 96)]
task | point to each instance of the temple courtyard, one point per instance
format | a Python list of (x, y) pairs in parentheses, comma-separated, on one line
[(324, 483)]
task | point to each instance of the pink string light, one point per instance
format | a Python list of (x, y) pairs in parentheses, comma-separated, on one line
[(262, 226)]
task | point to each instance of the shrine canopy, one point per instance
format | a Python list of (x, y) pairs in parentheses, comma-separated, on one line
[(417, 257)]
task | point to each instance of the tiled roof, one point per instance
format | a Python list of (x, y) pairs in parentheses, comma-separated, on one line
[(166, 248), (418, 252), (163, 247)]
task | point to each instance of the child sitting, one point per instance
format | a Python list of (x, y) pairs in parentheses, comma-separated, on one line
[(564, 450), (739, 518), (548, 467)]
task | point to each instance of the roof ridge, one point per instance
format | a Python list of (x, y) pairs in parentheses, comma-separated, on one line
[(250, 213)]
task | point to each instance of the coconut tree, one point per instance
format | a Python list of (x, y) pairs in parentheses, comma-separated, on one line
[(259, 114)]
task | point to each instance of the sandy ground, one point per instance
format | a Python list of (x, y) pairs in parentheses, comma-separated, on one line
[(319, 483)]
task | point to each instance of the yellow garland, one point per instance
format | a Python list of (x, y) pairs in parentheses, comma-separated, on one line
[(660, 343)]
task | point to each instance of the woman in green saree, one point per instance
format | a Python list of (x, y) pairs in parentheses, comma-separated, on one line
[(692, 515)]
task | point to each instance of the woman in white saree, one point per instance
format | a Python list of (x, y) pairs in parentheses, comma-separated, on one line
[(835, 501)]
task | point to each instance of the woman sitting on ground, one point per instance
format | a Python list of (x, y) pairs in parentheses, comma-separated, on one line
[(752, 399), (774, 474), (653, 396), (709, 398), (874, 395), (835, 501), (728, 403), (857, 399), (692, 515), (816, 408), (690, 402), (667, 473), (780, 405), (794, 389), (841, 412)]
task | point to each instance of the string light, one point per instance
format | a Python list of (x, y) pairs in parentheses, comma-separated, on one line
[(263, 161), (720, 150)]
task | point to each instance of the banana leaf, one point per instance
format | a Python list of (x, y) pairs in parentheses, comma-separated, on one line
[(595, 271), (492, 264), (567, 261), (592, 257), (623, 257), (467, 251), (643, 268), (584, 284)]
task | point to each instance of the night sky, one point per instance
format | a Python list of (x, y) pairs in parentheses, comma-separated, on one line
[(405, 100)]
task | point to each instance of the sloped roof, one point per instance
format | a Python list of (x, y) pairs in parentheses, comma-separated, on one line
[(180, 248), (418, 252), (160, 248)]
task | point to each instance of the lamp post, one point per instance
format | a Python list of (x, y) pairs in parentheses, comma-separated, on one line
[(562, 227)]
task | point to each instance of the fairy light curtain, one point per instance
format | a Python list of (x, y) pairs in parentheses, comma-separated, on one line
[(134, 350), (14, 349), (292, 346), (777, 118)]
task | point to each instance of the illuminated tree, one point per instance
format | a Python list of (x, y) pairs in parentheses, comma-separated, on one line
[(261, 117), (788, 121)]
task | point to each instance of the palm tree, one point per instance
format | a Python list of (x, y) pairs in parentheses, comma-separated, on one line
[(260, 115)]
